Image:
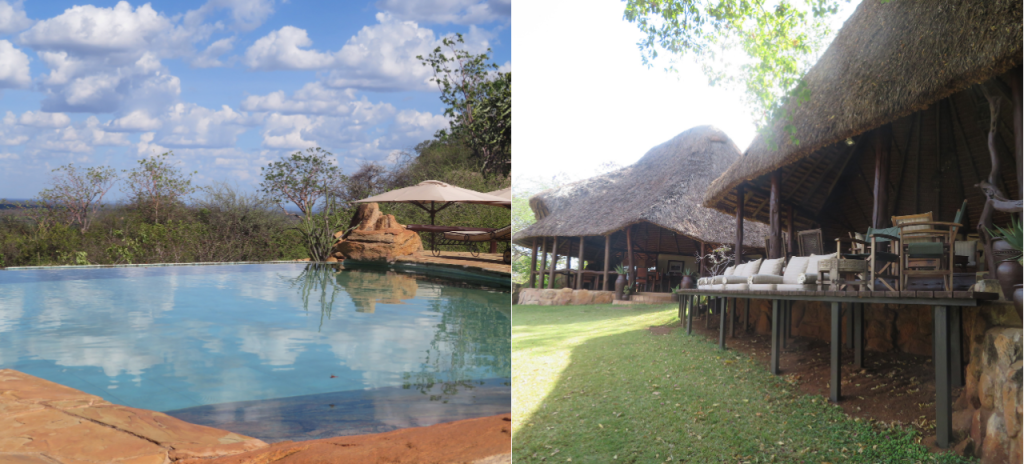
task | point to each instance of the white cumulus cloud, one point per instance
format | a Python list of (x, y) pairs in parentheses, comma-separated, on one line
[(14, 71), (286, 48), (42, 119), (89, 29), (13, 17), (136, 121), (315, 98), (209, 58), (449, 11)]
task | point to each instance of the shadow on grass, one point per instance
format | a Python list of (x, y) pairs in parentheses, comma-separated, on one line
[(629, 396)]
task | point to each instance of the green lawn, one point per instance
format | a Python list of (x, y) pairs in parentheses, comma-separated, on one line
[(590, 384)]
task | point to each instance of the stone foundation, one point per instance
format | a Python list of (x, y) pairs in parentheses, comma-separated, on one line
[(987, 415), (563, 297)]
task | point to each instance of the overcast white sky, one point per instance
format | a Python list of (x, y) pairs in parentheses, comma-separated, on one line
[(584, 98)]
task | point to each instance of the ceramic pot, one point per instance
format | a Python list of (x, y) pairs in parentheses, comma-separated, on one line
[(1008, 271), (1018, 294), (620, 283), (688, 282)]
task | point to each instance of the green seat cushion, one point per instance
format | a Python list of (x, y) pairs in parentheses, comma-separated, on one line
[(925, 250), (882, 256), (894, 231)]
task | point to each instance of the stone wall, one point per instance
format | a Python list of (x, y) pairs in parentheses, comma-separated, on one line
[(563, 297), (987, 414)]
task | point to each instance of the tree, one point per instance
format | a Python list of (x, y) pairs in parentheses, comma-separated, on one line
[(157, 182), (79, 193), (780, 38), (302, 179), (479, 102)]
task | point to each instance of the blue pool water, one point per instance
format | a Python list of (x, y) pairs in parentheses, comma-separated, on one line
[(214, 344)]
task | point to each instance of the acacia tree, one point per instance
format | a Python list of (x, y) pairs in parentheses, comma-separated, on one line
[(478, 100), (301, 179), (779, 38), (77, 193), (156, 182), (304, 180)]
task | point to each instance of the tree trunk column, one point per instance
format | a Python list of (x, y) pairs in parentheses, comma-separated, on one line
[(629, 252), (790, 219), (533, 265), (554, 261), (775, 228), (739, 224), (607, 257), (579, 271), (544, 261), (883, 142)]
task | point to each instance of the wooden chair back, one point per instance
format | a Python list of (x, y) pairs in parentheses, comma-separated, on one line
[(809, 242), (908, 232)]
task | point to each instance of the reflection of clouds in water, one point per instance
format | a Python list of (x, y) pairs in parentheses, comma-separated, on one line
[(266, 286), (277, 347), (112, 354), (12, 299), (383, 352)]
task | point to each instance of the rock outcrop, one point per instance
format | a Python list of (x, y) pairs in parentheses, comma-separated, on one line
[(376, 237)]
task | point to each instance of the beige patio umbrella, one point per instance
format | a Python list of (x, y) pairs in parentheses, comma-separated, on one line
[(505, 193), (432, 192)]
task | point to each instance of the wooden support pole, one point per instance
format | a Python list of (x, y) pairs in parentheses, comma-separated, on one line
[(773, 365), (775, 227), (849, 326), (943, 401), (692, 302), (544, 261), (858, 335), (790, 220), (607, 258), (734, 303), (533, 265), (746, 314), (554, 261), (1018, 156), (723, 309), (956, 369), (739, 224), (835, 371), (701, 272), (629, 251), (784, 322), (579, 265), (883, 143)]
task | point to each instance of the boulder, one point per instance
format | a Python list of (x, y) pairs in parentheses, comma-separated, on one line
[(377, 237)]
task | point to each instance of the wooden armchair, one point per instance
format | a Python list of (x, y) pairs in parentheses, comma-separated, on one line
[(927, 246), (810, 242), (882, 263)]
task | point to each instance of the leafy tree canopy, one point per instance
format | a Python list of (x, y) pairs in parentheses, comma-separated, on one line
[(763, 45), (302, 179), (478, 100)]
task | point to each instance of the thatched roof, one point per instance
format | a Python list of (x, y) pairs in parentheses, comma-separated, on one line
[(888, 61), (664, 188)]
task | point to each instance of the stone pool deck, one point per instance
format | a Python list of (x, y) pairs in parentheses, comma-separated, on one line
[(42, 422)]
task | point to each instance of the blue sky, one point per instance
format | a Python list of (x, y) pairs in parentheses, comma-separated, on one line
[(227, 85)]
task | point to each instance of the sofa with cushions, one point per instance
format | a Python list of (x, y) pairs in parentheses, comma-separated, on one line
[(800, 274)]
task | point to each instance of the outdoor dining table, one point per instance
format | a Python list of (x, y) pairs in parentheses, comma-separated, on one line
[(946, 346)]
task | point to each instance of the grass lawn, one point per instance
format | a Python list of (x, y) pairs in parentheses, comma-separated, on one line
[(592, 385)]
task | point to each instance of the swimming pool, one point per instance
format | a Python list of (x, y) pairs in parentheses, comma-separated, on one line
[(286, 351)]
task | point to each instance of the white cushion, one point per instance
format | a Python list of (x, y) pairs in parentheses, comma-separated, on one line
[(729, 271), (812, 264), (753, 287), (797, 266), (735, 279), (764, 279), (772, 266), (795, 288), (742, 286), (748, 269), (807, 278)]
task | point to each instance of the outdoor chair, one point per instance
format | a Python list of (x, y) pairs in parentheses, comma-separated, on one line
[(927, 247), (809, 242), (870, 246), (471, 239)]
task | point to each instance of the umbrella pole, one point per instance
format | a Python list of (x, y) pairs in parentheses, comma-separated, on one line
[(433, 235)]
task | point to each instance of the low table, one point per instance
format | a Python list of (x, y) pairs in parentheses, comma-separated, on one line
[(841, 272)]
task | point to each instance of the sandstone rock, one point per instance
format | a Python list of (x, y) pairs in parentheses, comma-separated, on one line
[(581, 297), (1012, 401), (962, 420), (995, 449), (604, 297), (965, 447), (1016, 452), (377, 237), (979, 427), (987, 391)]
